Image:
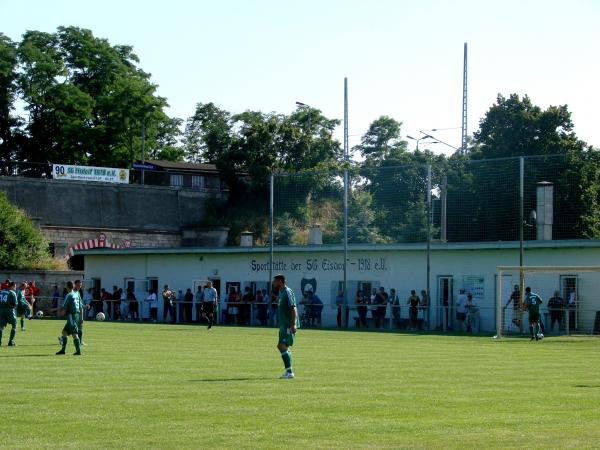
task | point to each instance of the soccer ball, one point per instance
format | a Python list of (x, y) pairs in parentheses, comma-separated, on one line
[(540, 336), (100, 316), (39, 314)]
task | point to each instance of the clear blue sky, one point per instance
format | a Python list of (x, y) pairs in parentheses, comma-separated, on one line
[(402, 59)]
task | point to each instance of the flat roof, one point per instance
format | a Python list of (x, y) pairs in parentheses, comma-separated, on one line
[(420, 246)]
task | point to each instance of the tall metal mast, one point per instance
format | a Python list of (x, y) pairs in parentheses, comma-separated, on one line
[(463, 144)]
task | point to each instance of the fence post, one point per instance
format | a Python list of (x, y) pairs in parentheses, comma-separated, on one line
[(521, 221)]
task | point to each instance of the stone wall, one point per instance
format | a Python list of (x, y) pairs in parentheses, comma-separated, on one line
[(106, 206), (70, 212), (63, 238)]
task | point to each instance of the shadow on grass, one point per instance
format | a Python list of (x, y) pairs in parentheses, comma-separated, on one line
[(587, 386), (25, 356), (211, 380), (38, 345)]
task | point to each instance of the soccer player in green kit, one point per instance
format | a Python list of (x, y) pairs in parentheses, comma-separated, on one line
[(532, 303), (23, 308), (8, 303), (73, 311), (288, 323), (77, 285)]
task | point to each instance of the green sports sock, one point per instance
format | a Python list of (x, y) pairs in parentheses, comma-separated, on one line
[(287, 360), (13, 331), (80, 334), (76, 342), (64, 342), (22, 323)]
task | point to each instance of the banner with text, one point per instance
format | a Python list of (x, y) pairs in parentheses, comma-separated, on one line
[(86, 173)]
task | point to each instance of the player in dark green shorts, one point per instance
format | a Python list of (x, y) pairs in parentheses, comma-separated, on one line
[(77, 287), (73, 311), (23, 308), (8, 303), (288, 322), (532, 303)]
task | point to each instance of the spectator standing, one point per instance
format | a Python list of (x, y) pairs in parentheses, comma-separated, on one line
[(362, 306), (198, 299), (232, 301), (339, 303), (180, 307), (106, 299), (263, 310), (28, 294), (571, 307), (246, 307), (274, 308), (381, 302), (394, 301), (97, 301), (461, 311), (132, 301), (123, 306), (87, 302), (472, 314), (115, 303), (188, 301), (556, 306), (515, 299), (168, 296), (413, 310), (425, 307), (153, 305), (306, 313)]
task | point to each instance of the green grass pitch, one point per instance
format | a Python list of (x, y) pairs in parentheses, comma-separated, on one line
[(166, 386)]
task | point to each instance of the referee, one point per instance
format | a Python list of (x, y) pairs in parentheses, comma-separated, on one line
[(209, 302)]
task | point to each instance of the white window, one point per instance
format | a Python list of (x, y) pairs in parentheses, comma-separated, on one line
[(176, 180), (197, 182)]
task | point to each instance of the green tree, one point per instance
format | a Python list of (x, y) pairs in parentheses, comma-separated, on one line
[(515, 127), (8, 92), (22, 245), (87, 101)]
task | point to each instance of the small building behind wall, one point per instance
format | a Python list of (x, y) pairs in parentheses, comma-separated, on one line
[(471, 266)]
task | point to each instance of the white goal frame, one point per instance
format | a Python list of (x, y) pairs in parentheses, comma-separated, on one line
[(522, 270)]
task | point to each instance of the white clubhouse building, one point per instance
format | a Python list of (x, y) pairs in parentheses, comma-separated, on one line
[(453, 266)]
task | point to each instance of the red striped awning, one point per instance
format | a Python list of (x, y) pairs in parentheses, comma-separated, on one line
[(90, 243)]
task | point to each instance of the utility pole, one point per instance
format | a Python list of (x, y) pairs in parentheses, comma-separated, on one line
[(463, 144)]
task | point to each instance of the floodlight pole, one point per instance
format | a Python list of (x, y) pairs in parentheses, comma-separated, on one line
[(428, 240), (271, 179), (346, 158)]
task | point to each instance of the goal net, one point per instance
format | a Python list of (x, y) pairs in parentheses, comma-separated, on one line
[(571, 303)]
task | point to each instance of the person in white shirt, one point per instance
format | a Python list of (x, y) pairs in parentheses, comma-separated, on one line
[(87, 301), (472, 314), (198, 299), (461, 311), (153, 305), (209, 301)]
